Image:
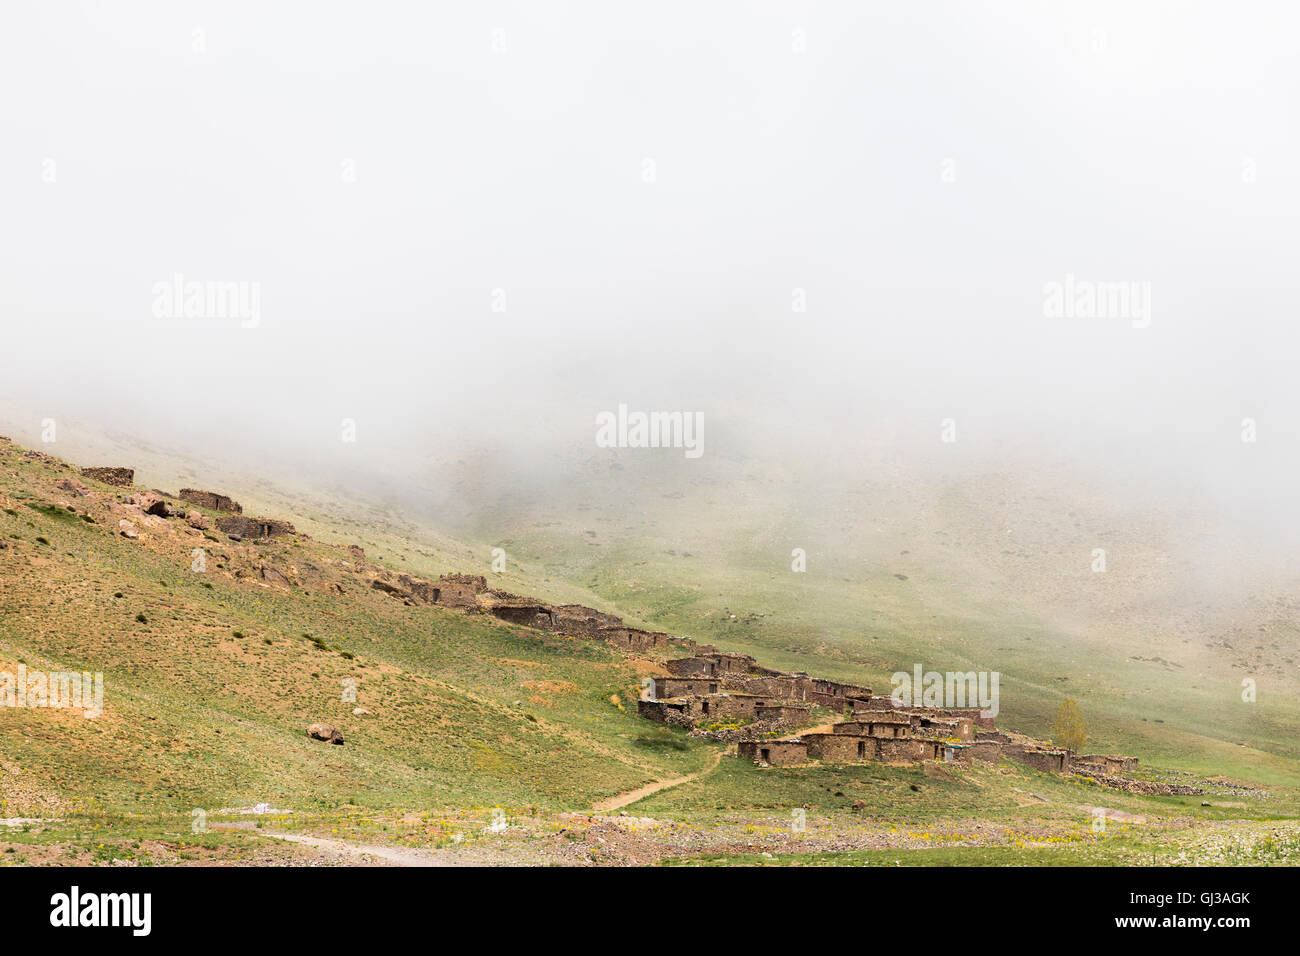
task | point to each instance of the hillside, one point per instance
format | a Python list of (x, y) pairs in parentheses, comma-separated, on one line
[(211, 677)]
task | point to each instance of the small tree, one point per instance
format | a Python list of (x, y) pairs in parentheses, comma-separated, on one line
[(1069, 730)]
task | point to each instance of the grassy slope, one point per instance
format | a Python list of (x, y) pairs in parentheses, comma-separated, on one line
[(198, 717), (713, 561)]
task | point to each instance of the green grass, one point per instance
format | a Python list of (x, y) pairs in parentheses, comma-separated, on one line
[(210, 680)]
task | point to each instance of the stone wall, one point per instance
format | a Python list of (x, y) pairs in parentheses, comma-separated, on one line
[(778, 753), (210, 500), (712, 708), (667, 687), (783, 712), (1103, 763), (956, 728), (987, 749), (459, 590), (1048, 761), (575, 620), (634, 639), (907, 749), (247, 527), (691, 667), (122, 477), (784, 687), (884, 726), (840, 748)]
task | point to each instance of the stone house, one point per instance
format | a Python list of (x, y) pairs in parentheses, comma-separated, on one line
[(669, 687), (633, 639), (840, 748), (254, 528), (954, 728), (692, 667), (711, 708), (1104, 763), (210, 500), (1048, 761), (731, 663), (874, 702), (988, 749), (884, 725), (776, 753), (780, 687), (784, 712), (459, 590), (580, 621)]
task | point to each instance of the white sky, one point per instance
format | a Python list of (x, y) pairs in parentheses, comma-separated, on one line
[(1128, 141)]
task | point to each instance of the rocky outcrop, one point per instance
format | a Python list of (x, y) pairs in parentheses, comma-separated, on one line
[(210, 500), (326, 732), (272, 576), (74, 486), (122, 477), (381, 585), (150, 504)]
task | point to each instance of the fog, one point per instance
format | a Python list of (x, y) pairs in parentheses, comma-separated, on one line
[(826, 227)]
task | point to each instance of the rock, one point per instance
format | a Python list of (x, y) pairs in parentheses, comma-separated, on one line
[(149, 503), (196, 520), (273, 576), (235, 537), (76, 487), (360, 712), (392, 589), (127, 529), (859, 804), (327, 732)]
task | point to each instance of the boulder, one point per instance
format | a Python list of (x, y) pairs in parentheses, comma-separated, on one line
[(360, 712), (394, 590), (76, 487), (196, 520), (149, 503), (326, 732), (127, 529)]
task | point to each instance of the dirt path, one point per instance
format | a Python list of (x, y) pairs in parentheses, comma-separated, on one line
[(632, 796), (368, 854)]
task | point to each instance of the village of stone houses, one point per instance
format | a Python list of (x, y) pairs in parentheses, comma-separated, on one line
[(270, 697)]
